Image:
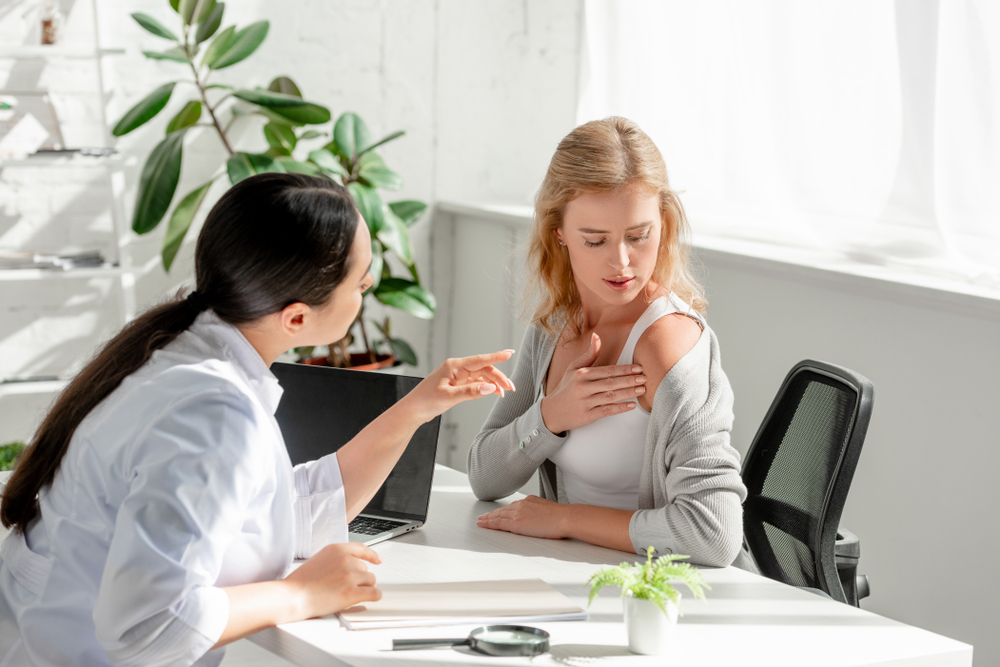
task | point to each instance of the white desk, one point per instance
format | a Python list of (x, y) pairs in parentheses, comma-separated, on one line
[(747, 620)]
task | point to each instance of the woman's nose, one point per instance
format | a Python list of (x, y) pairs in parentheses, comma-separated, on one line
[(620, 260)]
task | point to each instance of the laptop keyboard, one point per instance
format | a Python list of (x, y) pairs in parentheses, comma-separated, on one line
[(365, 525)]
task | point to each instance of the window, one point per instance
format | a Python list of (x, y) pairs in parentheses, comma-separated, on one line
[(869, 127)]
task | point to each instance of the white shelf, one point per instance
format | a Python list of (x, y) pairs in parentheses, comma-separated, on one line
[(56, 51), (108, 270), (32, 387), (62, 160)]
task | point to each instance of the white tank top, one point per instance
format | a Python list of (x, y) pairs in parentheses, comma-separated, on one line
[(600, 463)]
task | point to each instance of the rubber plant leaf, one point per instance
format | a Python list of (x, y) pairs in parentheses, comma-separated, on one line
[(158, 183), (243, 165), (186, 117), (296, 167), (180, 222), (186, 9), (376, 266), (284, 85), (380, 176), (311, 134), (288, 106), (202, 10), (384, 140), (396, 237), (219, 46), (408, 210), (176, 54), (142, 112), (370, 205), (402, 351), (243, 44), (408, 296), (280, 136), (351, 133), (154, 26), (327, 161), (211, 24)]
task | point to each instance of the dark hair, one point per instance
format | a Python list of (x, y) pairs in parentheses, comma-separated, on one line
[(272, 240)]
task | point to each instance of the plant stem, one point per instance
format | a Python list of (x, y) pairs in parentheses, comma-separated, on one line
[(204, 96), (364, 334)]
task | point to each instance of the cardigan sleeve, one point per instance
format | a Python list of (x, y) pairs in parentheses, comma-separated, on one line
[(514, 441), (697, 492)]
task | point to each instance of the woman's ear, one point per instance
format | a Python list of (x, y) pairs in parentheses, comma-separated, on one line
[(294, 318), (559, 236)]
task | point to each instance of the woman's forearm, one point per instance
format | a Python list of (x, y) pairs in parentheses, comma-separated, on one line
[(369, 457), (253, 607), (603, 526)]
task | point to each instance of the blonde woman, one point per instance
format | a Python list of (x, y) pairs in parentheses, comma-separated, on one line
[(623, 408)]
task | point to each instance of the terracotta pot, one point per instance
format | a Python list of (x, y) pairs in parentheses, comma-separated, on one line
[(360, 361)]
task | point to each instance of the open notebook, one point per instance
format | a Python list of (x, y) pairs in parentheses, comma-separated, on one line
[(460, 602)]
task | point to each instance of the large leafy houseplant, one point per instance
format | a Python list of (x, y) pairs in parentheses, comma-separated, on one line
[(349, 157)]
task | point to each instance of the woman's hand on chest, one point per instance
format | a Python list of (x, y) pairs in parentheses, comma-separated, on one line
[(586, 393)]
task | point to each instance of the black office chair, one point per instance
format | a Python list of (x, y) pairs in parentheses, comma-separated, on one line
[(798, 472)]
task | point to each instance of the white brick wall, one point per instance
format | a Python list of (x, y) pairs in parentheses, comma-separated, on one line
[(484, 91)]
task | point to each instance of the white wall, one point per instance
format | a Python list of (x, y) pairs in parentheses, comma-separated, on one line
[(923, 498), (484, 91), (922, 501)]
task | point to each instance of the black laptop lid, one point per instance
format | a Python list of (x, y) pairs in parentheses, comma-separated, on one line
[(322, 408)]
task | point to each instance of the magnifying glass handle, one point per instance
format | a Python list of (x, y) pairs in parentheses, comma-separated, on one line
[(406, 644)]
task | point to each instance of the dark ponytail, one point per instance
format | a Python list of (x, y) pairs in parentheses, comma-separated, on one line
[(272, 240)]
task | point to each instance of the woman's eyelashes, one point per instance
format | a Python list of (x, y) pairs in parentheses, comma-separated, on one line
[(632, 239)]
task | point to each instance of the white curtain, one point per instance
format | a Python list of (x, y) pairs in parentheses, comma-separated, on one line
[(868, 126)]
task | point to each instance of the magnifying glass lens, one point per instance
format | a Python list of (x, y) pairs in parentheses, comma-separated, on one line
[(511, 637)]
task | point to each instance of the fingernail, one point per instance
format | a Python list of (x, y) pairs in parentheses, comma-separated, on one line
[(637, 369), (486, 389), (501, 392), (512, 387), (640, 380), (640, 390)]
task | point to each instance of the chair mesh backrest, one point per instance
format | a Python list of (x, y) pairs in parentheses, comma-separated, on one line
[(791, 471)]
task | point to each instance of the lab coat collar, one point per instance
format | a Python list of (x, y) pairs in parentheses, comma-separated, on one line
[(237, 348)]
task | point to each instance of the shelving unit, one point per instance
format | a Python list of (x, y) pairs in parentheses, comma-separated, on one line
[(119, 265)]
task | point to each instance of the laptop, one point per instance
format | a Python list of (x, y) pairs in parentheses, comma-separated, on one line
[(322, 408)]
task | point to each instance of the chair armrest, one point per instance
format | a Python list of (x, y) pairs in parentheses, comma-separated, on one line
[(847, 549)]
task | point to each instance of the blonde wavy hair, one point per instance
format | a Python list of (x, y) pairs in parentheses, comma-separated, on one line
[(601, 156)]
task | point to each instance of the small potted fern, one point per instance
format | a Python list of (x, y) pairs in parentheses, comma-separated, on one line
[(652, 604)]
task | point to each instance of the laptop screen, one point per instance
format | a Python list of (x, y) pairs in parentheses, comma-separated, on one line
[(322, 408)]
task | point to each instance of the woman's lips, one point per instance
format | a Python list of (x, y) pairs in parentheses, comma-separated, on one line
[(619, 284)]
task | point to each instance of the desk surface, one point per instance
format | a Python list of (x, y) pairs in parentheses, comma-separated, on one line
[(746, 620)]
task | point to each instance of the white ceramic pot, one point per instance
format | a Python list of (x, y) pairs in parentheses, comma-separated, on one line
[(649, 629)]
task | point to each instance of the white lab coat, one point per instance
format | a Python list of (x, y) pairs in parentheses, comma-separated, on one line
[(176, 485)]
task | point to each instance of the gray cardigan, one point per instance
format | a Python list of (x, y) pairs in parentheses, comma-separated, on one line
[(690, 490)]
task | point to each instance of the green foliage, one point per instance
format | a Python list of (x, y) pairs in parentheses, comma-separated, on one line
[(350, 158), (142, 112), (158, 183), (651, 580), (9, 454)]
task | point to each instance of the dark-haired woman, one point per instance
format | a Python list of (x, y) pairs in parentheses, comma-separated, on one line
[(156, 511)]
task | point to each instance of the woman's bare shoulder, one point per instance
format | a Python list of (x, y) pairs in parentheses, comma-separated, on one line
[(661, 346)]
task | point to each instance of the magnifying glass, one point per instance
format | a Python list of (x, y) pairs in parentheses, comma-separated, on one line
[(506, 640)]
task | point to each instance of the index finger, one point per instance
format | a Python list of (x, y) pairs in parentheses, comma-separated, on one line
[(359, 550), (480, 361), (612, 371)]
